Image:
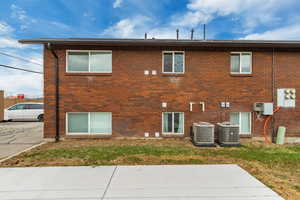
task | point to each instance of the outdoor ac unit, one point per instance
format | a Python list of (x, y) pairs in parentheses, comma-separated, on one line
[(228, 134), (203, 134), (263, 108)]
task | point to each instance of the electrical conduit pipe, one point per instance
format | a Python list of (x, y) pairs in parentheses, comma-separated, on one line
[(267, 140)]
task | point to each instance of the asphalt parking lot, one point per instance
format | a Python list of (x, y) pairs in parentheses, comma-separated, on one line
[(18, 136)]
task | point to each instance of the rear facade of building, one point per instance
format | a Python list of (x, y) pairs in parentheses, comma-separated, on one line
[(116, 90)]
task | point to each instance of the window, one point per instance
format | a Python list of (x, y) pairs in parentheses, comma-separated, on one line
[(243, 119), (35, 106), (89, 123), (173, 62), (89, 61), (17, 107), (173, 122), (241, 63)]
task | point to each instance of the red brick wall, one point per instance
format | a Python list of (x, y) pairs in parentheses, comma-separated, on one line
[(288, 76), (135, 99)]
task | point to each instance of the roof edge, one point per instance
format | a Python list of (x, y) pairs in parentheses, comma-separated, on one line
[(163, 42)]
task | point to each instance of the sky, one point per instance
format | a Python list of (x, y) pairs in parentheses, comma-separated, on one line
[(224, 19)]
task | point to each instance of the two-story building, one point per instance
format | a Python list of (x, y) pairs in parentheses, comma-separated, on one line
[(159, 88)]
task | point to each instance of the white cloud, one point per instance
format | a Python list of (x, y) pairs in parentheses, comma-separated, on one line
[(19, 82), (128, 27), (284, 33), (26, 22), (223, 7), (6, 37), (191, 19), (117, 3), (89, 15), (14, 82), (8, 42), (137, 26), (5, 28), (20, 14), (59, 25), (251, 12)]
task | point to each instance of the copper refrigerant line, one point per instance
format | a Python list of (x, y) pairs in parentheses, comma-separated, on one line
[(267, 140)]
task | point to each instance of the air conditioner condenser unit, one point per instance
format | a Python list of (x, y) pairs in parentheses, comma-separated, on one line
[(228, 134), (203, 134)]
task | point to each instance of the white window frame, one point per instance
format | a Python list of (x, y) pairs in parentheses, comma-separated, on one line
[(171, 133), (240, 118), (240, 67), (173, 63), (89, 127), (89, 51)]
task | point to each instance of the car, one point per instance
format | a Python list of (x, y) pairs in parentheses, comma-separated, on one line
[(25, 111)]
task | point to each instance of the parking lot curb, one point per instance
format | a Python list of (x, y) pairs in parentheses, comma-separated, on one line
[(28, 149)]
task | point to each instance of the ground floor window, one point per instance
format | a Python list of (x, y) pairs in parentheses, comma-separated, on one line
[(89, 123), (173, 122), (243, 119)]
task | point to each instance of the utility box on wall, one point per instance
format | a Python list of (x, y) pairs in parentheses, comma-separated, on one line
[(1, 105), (263, 108), (286, 97)]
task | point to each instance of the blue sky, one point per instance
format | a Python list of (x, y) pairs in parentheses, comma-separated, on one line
[(225, 19)]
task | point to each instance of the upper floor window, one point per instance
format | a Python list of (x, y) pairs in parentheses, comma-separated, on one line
[(241, 63), (173, 62), (89, 61)]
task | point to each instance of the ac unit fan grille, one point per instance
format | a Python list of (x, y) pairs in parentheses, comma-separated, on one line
[(204, 135), (229, 135)]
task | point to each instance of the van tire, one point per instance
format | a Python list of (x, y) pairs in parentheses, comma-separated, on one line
[(41, 118)]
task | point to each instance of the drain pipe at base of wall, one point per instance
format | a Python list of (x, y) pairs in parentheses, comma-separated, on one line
[(56, 65)]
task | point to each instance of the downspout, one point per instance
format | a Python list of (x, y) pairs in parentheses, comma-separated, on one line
[(273, 90), (56, 65)]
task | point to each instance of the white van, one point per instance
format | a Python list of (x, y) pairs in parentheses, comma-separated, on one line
[(25, 111)]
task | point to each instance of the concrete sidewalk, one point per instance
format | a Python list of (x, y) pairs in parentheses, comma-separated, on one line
[(204, 182)]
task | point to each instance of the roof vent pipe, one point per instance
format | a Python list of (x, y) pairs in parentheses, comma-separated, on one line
[(192, 34), (145, 36), (177, 34)]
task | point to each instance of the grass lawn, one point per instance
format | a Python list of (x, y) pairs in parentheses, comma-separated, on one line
[(276, 166)]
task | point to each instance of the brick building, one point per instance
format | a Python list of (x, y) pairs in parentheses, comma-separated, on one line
[(141, 87)]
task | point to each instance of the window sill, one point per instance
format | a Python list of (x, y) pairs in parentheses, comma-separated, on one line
[(173, 135), (74, 136), (87, 74), (241, 75), (246, 135), (173, 74)]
